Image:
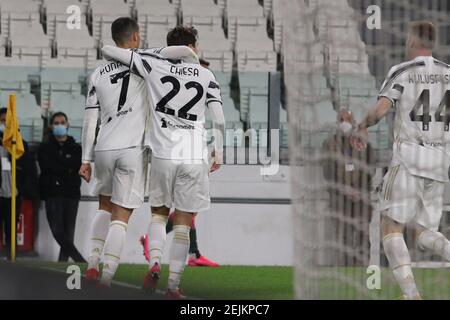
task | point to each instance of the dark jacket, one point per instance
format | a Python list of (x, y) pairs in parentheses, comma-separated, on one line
[(59, 163)]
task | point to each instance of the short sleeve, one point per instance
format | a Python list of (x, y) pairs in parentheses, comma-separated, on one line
[(392, 87)]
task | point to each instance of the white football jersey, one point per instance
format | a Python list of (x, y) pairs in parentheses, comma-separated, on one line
[(420, 92), (180, 93), (122, 99)]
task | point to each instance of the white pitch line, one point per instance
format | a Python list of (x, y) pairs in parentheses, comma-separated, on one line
[(120, 283)]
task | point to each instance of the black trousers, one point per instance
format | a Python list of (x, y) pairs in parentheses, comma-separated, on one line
[(5, 221), (62, 216)]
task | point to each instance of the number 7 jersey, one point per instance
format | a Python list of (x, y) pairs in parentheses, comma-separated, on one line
[(121, 97), (420, 92), (180, 93)]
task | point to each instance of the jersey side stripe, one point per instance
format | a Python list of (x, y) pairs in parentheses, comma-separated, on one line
[(440, 63), (399, 72)]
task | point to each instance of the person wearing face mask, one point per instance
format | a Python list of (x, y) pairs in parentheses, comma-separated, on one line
[(59, 159), (348, 173)]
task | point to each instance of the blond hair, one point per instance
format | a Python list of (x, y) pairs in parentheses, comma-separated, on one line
[(425, 33)]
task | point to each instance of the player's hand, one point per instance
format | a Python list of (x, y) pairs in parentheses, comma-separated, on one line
[(85, 172), (217, 160), (359, 139)]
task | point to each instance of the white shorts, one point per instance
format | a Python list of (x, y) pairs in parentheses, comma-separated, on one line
[(181, 186), (122, 175), (409, 198)]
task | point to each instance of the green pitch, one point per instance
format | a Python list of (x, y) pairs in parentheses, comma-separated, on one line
[(247, 282)]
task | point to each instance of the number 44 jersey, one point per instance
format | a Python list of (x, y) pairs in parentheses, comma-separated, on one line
[(420, 92), (122, 99)]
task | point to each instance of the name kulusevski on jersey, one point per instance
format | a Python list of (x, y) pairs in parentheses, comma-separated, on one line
[(420, 91)]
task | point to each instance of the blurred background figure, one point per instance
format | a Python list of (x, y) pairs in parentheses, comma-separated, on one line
[(59, 159), (349, 173), (26, 183)]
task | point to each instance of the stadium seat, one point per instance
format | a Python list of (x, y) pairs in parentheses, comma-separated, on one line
[(243, 13), (251, 84), (156, 33), (105, 12), (145, 11), (55, 11), (28, 112), (28, 34), (76, 38), (215, 48), (201, 12), (74, 58)]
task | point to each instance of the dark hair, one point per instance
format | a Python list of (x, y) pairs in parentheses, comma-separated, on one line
[(58, 114), (122, 29), (182, 36), (3, 111)]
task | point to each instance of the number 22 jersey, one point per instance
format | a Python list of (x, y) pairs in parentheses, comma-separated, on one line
[(180, 93)]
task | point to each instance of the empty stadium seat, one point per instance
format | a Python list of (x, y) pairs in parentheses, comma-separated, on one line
[(201, 12), (251, 84), (73, 38), (156, 35), (28, 112), (56, 12), (105, 12), (215, 48), (243, 13), (159, 8)]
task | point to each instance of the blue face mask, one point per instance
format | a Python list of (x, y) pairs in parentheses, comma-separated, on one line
[(2, 127), (60, 130)]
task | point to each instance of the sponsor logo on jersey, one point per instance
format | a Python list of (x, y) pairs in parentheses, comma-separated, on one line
[(166, 124), (124, 112)]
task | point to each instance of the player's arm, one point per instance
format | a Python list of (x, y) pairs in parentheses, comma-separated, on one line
[(88, 134), (391, 91), (378, 112), (140, 62), (214, 104), (218, 120)]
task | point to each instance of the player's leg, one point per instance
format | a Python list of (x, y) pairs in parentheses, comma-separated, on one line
[(115, 241), (104, 171), (99, 231), (179, 251), (161, 181), (398, 203), (128, 190), (191, 195), (195, 257), (428, 221)]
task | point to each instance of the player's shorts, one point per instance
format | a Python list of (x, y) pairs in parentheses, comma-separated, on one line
[(409, 198), (122, 175), (181, 186)]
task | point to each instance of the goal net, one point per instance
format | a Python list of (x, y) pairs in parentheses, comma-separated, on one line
[(335, 56)]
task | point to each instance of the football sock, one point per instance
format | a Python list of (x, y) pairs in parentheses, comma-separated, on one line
[(114, 243), (193, 245), (157, 234), (400, 262), (99, 232), (178, 255), (435, 242)]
